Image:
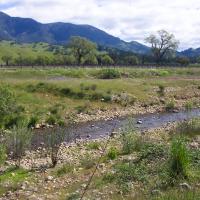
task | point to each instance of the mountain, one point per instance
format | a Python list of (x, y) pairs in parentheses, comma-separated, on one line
[(26, 30), (191, 52)]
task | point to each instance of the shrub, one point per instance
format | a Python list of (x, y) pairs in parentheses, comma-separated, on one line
[(18, 140), (33, 121), (3, 155), (161, 90), (14, 120), (8, 105), (188, 128), (109, 74), (87, 162), (54, 139), (188, 106), (65, 91), (51, 120), (93, 145), (112, 153), (170, 106), (129, 172), (179, 158), (67, 168), (93, 87), (131, 142)]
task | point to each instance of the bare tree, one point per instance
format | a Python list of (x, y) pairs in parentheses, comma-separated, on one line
[(162, 44)]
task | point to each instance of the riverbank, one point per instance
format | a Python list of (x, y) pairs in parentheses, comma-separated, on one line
[(113, 179)]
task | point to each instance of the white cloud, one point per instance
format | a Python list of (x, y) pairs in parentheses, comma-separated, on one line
[(127, 19)]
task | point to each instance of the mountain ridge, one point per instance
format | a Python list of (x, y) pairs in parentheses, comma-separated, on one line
[(27, 30)]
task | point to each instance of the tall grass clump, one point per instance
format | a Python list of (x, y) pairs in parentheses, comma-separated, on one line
[(161, 91), (188, 128), (131, 140), (179, 158), (108, 74)]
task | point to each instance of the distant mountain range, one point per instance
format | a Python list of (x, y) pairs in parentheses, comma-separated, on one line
[(26, 30)]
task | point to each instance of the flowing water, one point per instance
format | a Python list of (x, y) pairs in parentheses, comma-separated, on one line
[(101, 129)]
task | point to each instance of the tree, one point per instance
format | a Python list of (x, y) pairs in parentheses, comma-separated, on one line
[(81, 47), (131, 60), (7, 59), (184, 61), (89, 59), (106, 60), (162, 44)]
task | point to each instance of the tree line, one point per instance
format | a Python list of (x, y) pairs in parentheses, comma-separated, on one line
[(80, 51)]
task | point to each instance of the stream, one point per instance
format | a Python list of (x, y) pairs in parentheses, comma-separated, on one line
[(102, 128)]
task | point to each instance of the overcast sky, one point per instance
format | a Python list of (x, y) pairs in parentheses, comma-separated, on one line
[(127, 19)]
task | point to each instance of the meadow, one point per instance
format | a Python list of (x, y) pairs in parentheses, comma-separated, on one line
[(160, 164)]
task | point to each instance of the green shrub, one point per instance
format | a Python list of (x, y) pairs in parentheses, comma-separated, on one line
[(188, 106), (93, 145), (67, 168), (66, 91), (179, 158), (8, 105), (131, 142), (188, 128), (87, 162), (14, 120), (170, 106), (112, 153), (93, 87), (33, 121), (18, 140), (161, 90), (3, 155), (51, 120), (109, 74)]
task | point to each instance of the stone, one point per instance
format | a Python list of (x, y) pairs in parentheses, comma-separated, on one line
[(185, 186), (139, 122), (49, 178)]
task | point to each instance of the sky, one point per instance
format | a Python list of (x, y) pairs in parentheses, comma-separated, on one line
[(128, 19)]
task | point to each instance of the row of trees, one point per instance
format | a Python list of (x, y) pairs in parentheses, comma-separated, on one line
[(81, 51)]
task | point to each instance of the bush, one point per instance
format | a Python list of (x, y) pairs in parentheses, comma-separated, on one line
[(8, 105), (109, 74), (33, 121), (18, 141), (179, 158), (54, 139), (3, 155), (67, 168), (93, 145), (131, 142), (188, 106), (170, 106), (112, 153), (87, 162), (188, 128), (51, 120), (161, 90)]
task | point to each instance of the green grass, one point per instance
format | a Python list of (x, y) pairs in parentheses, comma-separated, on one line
[(13, 176), (40, 89)]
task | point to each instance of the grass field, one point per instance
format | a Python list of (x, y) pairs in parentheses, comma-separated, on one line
[(64, 93)]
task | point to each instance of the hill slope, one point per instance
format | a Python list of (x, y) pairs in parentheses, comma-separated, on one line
[(27, 30)]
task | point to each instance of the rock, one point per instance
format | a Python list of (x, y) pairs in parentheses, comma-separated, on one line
[(155, 192), (49, 178), (139, 122), (185, 186), (88, 136)]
